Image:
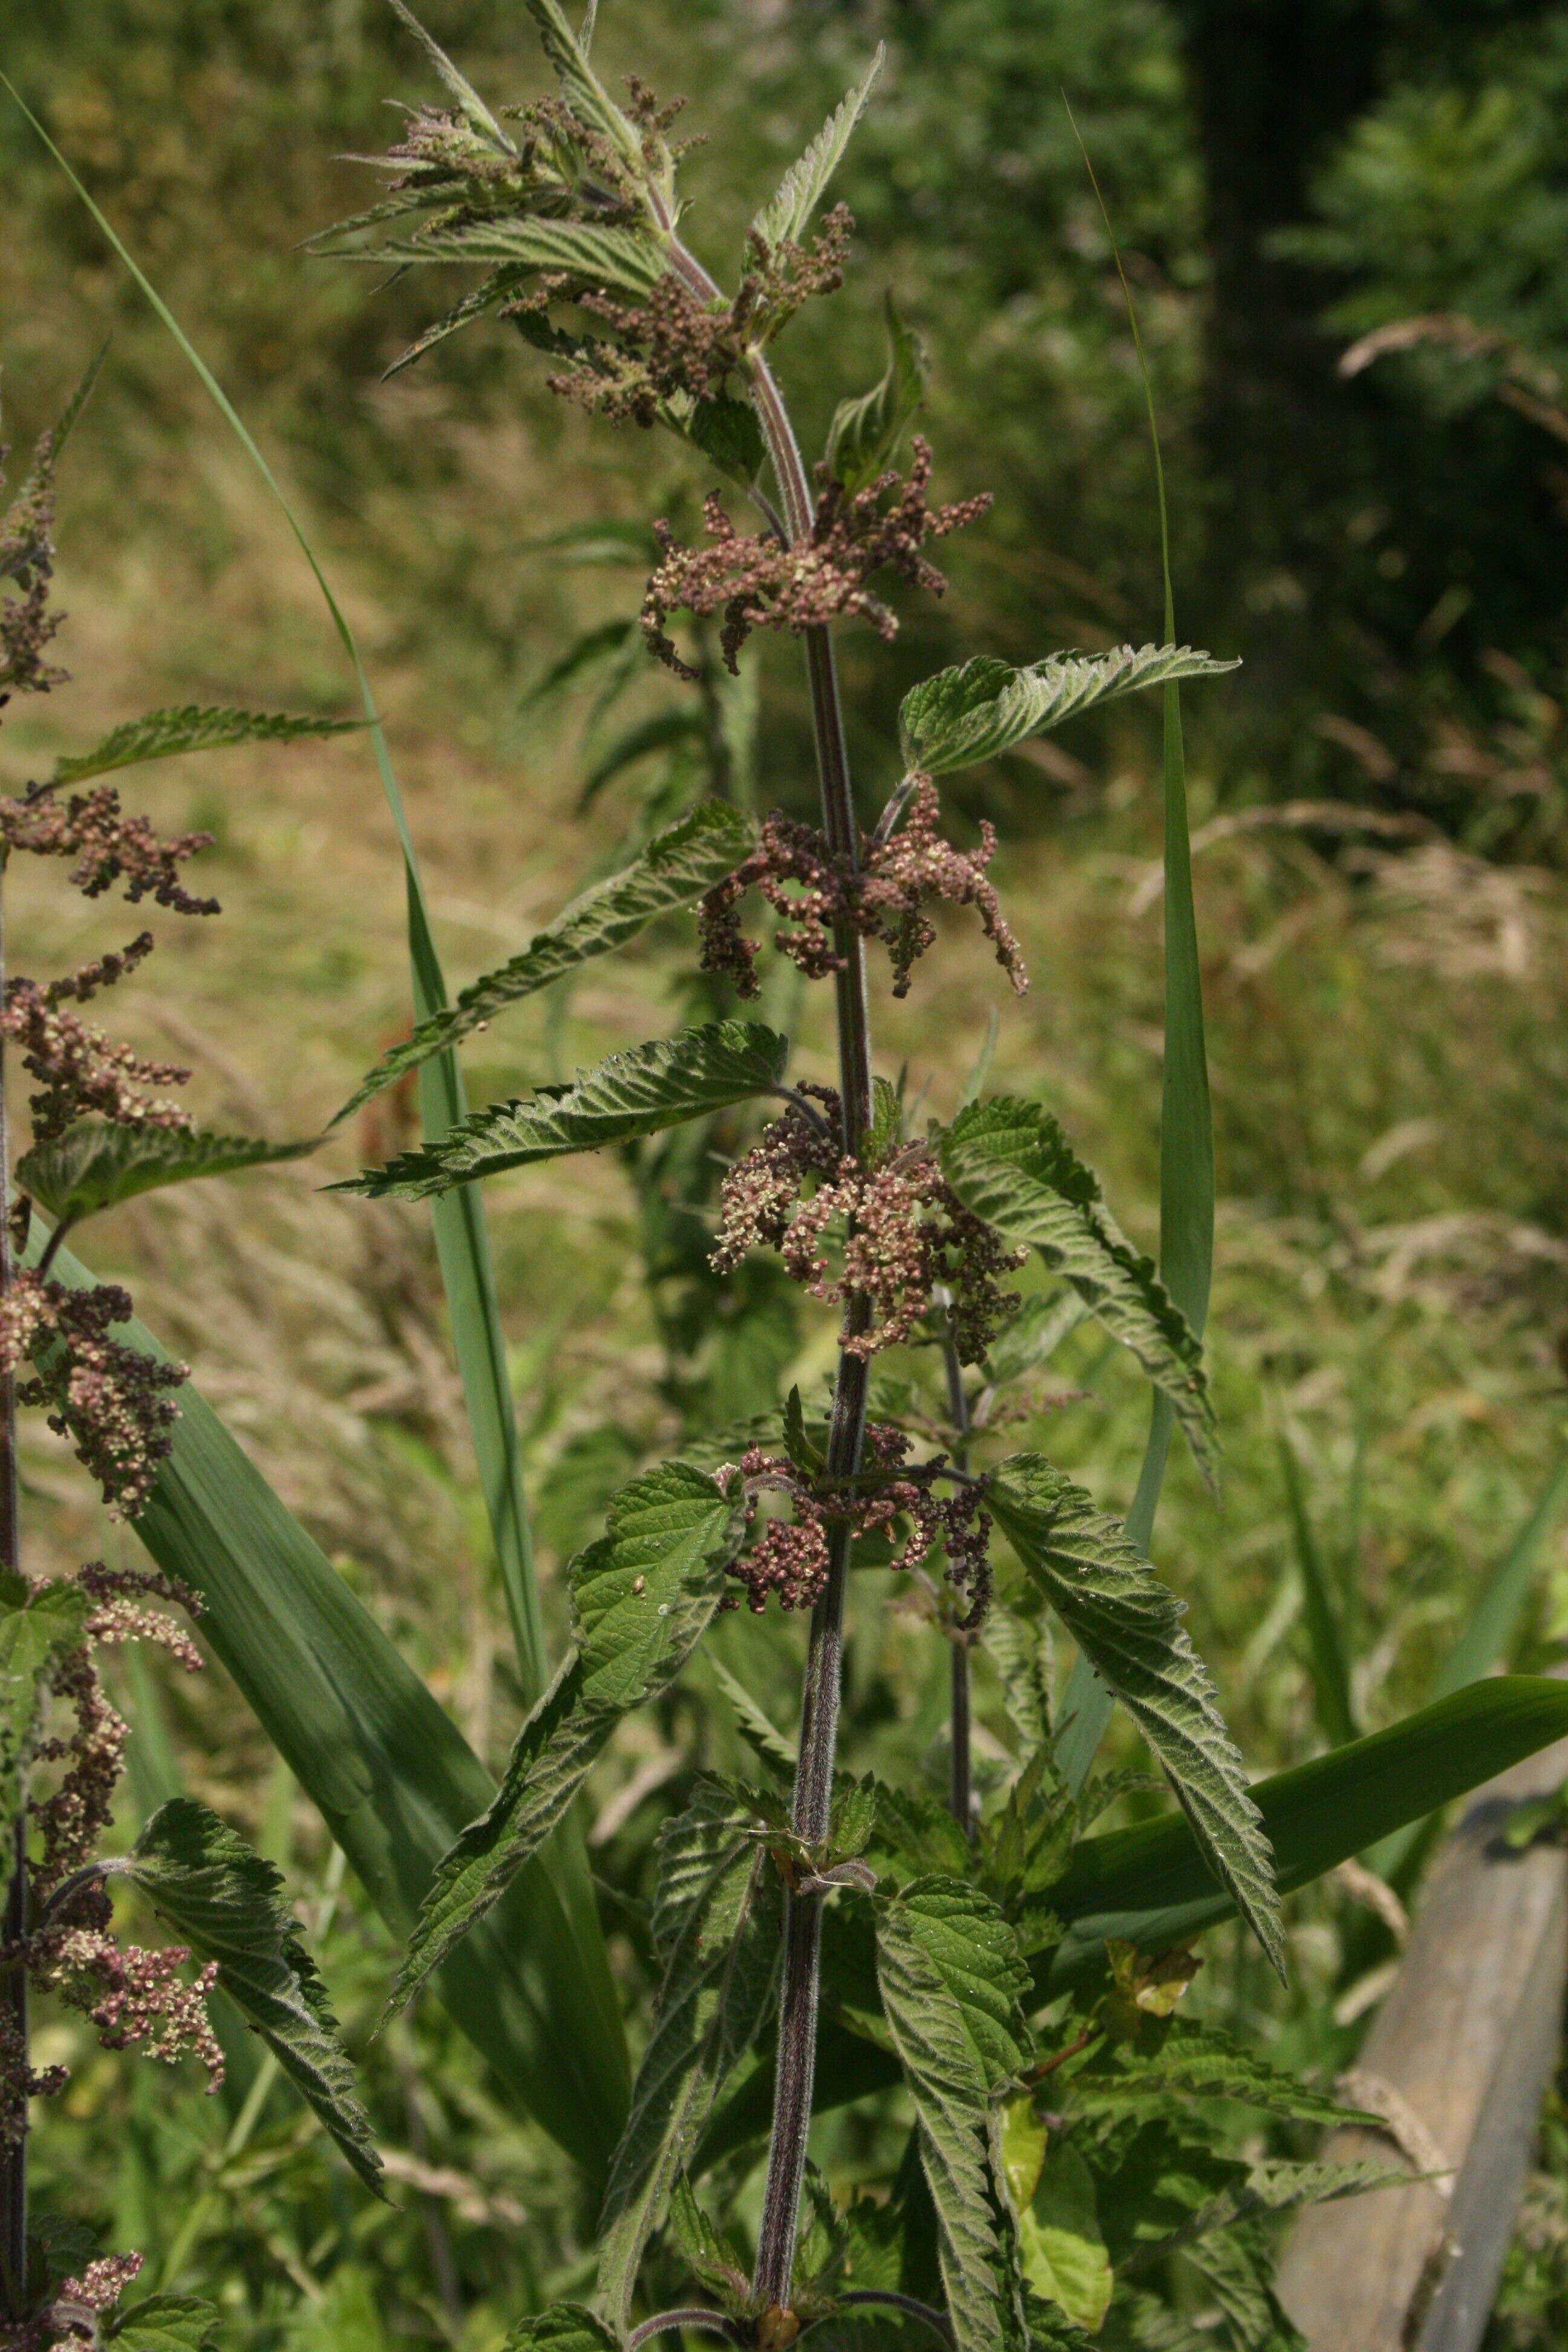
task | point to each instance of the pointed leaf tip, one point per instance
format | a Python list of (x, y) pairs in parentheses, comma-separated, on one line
[(983, 707), (225, 1901), (636, 1093), (1128, 1626)]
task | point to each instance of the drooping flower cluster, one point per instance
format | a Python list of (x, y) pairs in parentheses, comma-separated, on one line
[(74, 2314), (81, 1071), (903, 1231), (129, 1994), (790, 1558), (107, 846), (900, 873), (112, 1401), (757, 582)]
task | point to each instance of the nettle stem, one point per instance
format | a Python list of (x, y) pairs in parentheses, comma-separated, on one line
[(961, 1786), (14, 1989), (823, 1666)]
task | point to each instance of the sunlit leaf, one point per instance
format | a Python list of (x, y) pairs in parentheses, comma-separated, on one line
[(163, 2323), (952, 1982), (1010, 1162), (635, 1092), (986, 705), (93, 1165), (787, 211), (1129, 1625), (642, 1597), (623, 257)]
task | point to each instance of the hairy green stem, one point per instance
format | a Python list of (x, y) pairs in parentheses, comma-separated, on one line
[(13, 1991), (813, 1798)]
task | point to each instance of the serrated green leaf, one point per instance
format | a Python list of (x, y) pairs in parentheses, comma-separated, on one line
[(1129, 1625), (1149, 1886), (498, 288), (787, 211), (1061, 2247), (625, 258), (718, 1987), (642, 1597), (40, 1625), (565, 2327), (1238, 2266), (1271, 2186), (190, 728), (709, 2257), (93, 1165), (1197, 2064), (579, 85), (950, 1982), (225, 1901), (985, 706), (164, 2323), (921, 1834), (677, 866), (693, 1844), (864, 433), (475, 113), (635, 1092), (1010, 1162)]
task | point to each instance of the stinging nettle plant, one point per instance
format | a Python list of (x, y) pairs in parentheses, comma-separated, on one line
[(102, 1131), (824, 1937)]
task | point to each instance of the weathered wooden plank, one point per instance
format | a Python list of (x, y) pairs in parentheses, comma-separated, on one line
[(1465, 2043)]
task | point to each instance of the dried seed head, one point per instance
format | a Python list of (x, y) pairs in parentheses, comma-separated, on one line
[(758, 582)]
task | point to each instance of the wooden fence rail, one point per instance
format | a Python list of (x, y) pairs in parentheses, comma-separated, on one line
[(1460, 2057)]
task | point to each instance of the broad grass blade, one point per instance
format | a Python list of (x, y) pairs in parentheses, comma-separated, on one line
[(1330, 1670), (1479, 1647), (1151, 1884), (461, 1237), (1186, 1123), (390, 1772)]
